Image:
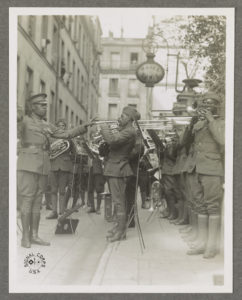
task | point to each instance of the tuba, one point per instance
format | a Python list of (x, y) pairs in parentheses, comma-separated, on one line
[(59, 147)]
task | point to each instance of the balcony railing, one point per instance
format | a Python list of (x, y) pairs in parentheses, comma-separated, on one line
[(119, 65)]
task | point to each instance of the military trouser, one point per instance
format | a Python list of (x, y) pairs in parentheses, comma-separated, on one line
[(60, 180), (95, 184), (31, 187), (206, 190), (130, 200), (170, 187), (117, 187)]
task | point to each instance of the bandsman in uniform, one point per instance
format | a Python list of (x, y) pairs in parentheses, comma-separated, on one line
[(132, 183), (168, 178), (34, 165), (96, 183), (60, 177), (117, 168), (209, 143)]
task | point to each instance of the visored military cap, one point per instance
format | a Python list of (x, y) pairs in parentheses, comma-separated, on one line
[(38, 98), (131, 112)]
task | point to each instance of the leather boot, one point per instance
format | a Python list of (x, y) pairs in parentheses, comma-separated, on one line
[(82, 193), (143, 199), (200, 244), (62, 204), (99, 199), (53, 213), (25, 219), (172, 210), (34, 228), (120, 233), (189, 226), (184, 217), (180, 213), (213, 229), (192, 235), (112, 231)]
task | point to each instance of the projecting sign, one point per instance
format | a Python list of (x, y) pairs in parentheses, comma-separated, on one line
[(150, 72)]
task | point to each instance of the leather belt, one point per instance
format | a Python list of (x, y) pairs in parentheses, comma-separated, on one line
[(36, 146)]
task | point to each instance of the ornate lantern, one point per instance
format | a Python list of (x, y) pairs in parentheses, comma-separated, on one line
[(150, 72)]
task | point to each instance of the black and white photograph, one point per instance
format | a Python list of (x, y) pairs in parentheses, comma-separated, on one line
[(121, 150)]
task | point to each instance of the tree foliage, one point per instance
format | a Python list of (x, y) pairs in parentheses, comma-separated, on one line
[(205, 38)]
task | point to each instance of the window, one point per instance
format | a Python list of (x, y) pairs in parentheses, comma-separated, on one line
[(112, 111), (42, 86), (67, 116), (80, 39), (51, 107), (69, 23), (84, 47), (54, 47), (115, 60), (68, 68), (72, 118), (44, 27), (31, 27), (62, 51), (62, 63), (68, 61), (133, 58), (132, 88), (73, 78), (82, 87), (77, 120), (113, 86), (60, 109), (75, 30), (78, 84), (28, 82), (44, 31)]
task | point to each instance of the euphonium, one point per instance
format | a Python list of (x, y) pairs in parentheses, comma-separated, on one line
[(59, 147)]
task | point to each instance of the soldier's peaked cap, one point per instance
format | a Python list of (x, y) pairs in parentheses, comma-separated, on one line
[(211, 95), (38, 98), (131, 112)]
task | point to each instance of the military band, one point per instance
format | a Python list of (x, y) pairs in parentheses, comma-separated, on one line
[(190, 167)]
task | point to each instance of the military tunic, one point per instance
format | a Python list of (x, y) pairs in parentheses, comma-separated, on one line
[(209, 143), (117, 167), (33, 164)]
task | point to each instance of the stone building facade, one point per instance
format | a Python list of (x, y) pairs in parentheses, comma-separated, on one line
[(60, 55)]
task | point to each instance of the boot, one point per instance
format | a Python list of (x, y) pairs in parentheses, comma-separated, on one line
[(172, 210), (120, 233), (200, 244), (62, 204), (184, 217), (25, 219), (143, 199), (34, 239), (112, 231), (99, 199), (192, 235), (180, 213), (53, 213), (82, 193), (213, 230), (189, 226)]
